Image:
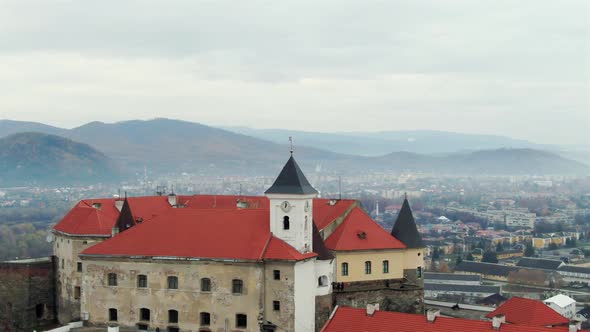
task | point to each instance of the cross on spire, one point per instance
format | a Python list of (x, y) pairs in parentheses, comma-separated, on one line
[(291, 144)]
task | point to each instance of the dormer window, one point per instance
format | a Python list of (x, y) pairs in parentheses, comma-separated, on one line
[(286, 224)]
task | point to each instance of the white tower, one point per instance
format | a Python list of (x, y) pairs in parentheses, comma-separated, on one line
[(291, 207)]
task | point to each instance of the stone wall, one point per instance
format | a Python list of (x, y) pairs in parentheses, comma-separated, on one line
[(27, 295), (392, 295)]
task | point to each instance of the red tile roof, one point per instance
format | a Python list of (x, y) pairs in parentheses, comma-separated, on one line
[(519, 310), (356, 320), (199, 233), (84, 219), (359, 232), (324, 212)]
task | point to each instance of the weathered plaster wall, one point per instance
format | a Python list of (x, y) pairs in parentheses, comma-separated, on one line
[(188, 299), (280, 290), (324, 268), (305, 290), (66, 250), (27, 295)]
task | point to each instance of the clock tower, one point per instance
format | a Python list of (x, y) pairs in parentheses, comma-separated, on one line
[(291, 207)]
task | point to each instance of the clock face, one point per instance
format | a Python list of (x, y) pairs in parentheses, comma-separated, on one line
[(286, 206), (306, 206)]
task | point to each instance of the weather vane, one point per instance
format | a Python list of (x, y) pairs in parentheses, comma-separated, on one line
[(291, 143)]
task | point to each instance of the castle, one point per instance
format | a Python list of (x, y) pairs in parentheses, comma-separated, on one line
[(278, 262)]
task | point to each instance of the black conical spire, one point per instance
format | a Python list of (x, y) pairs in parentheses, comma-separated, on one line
[(405, 228), (125, 220), (291, 181)]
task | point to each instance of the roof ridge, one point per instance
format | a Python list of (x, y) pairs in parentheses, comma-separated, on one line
[(263, 252)]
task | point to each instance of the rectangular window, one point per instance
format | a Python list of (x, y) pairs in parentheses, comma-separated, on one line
[(205, 285), (62, 263), (419, 272), (173, 329), (172, 282), (172, 316), (276, 305), (77, 292), (241, 321), (385, 266), (344, 269), (112, 279), (277, 274), (113, 315), (205, 319), (141, 281), (79, 266), (368, 267), (237, 286)]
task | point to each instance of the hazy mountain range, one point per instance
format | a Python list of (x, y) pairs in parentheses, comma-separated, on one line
[(172, 146)]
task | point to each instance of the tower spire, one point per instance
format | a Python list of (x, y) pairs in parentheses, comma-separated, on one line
[(291, 145)]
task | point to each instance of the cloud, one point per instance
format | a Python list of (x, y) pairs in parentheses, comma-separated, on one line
[(470, 66)]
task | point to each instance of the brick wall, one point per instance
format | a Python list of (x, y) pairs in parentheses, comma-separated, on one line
[(27, 295)]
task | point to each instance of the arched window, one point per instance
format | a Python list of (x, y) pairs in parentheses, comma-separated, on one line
[(144, 314), (172, 316), (323, 281), (113, 314), (205, 319), (368, 267), (205, 285), (344, 269), (286, 222)]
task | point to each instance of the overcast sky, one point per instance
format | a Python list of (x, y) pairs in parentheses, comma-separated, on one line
[(519, 68)]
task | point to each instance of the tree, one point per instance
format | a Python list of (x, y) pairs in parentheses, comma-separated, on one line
[(489, 257), (499, 247), (459, 260), (469, 257), (552, 246), (435, 253), (529, 250)]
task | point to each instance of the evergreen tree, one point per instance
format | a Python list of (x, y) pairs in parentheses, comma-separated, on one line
[(529, 250), (489, 257), (469, 257), (459, 260), (499, 247)]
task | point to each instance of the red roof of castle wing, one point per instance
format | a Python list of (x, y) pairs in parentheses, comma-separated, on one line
[(519, 310), (356, 320), (199, 233), (84, 219), (324, 212), (360, 232)]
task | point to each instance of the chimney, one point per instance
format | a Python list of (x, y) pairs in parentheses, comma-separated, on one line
[(371, 308), (119, 204), (114, 231), (113, 328), (431, 315), (573, 327), (172, 199), (497, 321)]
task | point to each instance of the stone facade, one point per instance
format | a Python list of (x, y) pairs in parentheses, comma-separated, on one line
[(69, 279), (268, 290), (27, 295)]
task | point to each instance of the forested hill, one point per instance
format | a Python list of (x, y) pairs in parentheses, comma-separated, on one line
[(35, 158)]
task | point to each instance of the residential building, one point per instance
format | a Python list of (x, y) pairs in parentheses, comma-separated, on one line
[(563, 304)]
